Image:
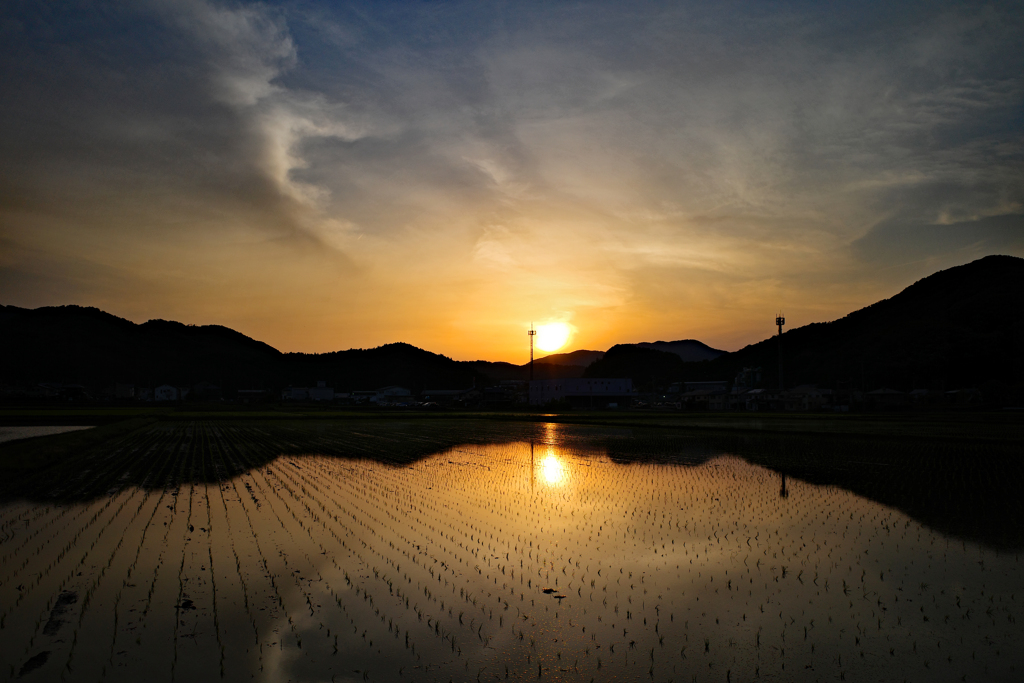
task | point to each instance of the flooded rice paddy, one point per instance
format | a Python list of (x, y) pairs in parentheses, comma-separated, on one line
[(491, 551), (15, 433)]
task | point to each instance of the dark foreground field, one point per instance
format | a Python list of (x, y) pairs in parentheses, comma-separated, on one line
[(481, 549)]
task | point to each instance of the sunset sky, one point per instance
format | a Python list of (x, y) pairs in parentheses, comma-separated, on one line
[(329, 175)]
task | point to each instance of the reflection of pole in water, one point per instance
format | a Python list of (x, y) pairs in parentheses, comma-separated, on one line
[(783, 493), (533, 469)]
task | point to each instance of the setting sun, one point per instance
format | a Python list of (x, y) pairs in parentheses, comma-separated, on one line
[(553, 336)]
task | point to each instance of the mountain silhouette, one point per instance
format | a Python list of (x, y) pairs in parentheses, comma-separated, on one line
[(76, 345), (580, 358), (957, 328), (689, 350), (86, 346), (649, 368), (554, 366)]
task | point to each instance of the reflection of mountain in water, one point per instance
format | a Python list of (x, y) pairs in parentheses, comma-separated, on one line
[(171, 454), (967, 491)]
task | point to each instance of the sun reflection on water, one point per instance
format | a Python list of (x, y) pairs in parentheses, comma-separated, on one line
[(552, 469)]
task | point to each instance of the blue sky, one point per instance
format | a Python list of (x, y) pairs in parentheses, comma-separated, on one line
[(333, 175)]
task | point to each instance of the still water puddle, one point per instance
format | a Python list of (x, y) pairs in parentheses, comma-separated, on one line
[(536, 556), (15, 433)]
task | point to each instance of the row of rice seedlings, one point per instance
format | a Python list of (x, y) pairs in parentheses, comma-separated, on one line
[(293, 562), (397, 566), (449, 547), (18, 556), (98, 616), (61, 576), (757, 535), (397, 594), (266, 551), (24, 523), (469, 536), (139, 588), (319, 519), (389, 624), (369, 599), (137, 602), (270, 551), (234, 618), (77, 577), (14, 515), (193, 601), (123, 618), (98, 621), (19, 571), (36, 534), (241, 632)]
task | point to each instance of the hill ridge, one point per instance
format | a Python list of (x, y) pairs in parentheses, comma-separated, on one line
[(952, 329), (956, 327)]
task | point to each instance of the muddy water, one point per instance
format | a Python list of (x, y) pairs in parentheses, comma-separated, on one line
[(539, 555)]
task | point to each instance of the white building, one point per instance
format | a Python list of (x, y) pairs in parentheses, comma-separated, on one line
[(392, 394), (166, 392), (321, 392), (715, 387), (584, 393), (451, 397)]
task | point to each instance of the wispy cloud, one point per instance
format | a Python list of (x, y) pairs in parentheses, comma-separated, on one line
[(661, 170)]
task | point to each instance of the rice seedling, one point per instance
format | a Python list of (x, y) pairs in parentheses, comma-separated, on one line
[(458, 550)]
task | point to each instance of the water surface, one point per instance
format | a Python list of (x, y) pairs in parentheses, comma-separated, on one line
[(15, 433), (490, 551)]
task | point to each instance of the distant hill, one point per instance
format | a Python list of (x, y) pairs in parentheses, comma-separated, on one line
[(579, 358), (649, 368), (392, 364), (498, 371), (689, 350), (957, 328), (555, 366), (960, 327), (76, 345)]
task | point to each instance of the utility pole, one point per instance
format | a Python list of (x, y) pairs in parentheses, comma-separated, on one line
[(780, 321), (532, 333)]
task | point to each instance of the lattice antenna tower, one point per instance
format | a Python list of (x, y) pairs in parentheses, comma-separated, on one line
[(780, 321), (532, 333)]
